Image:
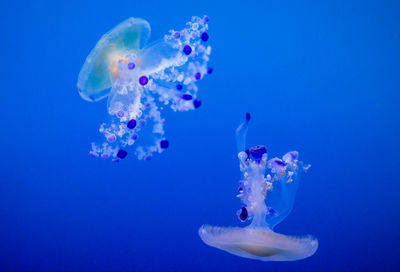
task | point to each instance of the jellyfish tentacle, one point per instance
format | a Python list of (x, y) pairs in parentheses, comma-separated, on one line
[(178, 99), (183, 63), (126, 98), (241, 134), (281, 197)]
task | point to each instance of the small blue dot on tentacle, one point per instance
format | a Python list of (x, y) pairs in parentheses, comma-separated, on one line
[(187, 50), (187, 97), (248, 116), (196, 103), (197, 76), (122, 154), (131, 124), (143, 80), (164, 144), (204, 36), (243, 214)]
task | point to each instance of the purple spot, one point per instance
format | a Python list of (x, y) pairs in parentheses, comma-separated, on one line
[(257, 152), (93, 154), (131, 65), (143, 80), (210, 70), (134, 136), (197, 76), (243, 214), (187, 97), (111, 138), (131, 124), (142, 123), (105, 156), (187, 50), (206, 19), (148, 157), (204, 36), (179, 87), (164, 144), (177, 35), (294, 155), (120, 114), (280, 163), (196, 103), (122, 154), (248, 116)]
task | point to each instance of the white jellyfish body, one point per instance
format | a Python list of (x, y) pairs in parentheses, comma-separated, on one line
[(140, 80), (267, 190), (95, 80)]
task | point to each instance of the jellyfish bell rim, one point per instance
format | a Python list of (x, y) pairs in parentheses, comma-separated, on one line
[(259, 243), (95, 80)]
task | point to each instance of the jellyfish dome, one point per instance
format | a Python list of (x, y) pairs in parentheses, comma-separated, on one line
[(140, 80), (267, 190)]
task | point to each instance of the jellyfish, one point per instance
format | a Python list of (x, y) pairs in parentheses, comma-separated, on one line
[(267, 190), (140, 80)]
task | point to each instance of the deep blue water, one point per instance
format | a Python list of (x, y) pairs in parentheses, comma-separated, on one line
[(321, 77)]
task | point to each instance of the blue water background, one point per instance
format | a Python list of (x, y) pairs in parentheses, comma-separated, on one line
[(320, 77)]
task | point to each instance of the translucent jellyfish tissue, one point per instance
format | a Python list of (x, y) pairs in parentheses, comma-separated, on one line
[(142, 79), (267, 190)]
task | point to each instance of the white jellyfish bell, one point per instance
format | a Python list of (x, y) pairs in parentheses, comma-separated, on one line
[(267, 189), (99, 70), (140, 80)]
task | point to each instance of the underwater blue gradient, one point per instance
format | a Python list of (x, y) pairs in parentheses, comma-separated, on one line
[(320, 77)]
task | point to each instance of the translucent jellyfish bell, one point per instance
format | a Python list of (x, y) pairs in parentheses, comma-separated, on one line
[(257, 243), (94, 80), (267, 190), (140, 80)]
